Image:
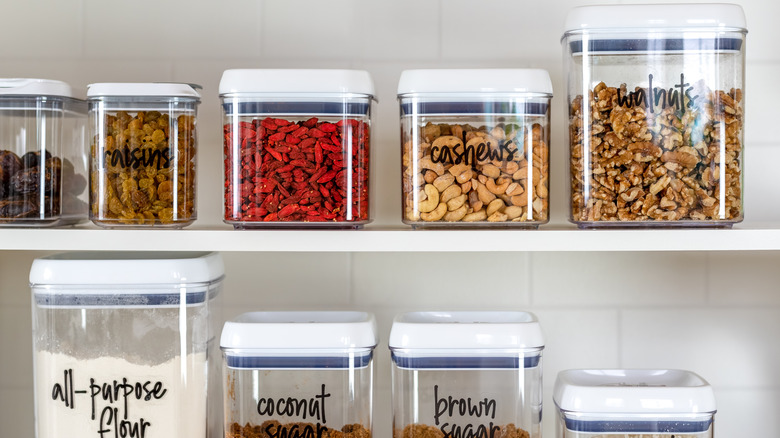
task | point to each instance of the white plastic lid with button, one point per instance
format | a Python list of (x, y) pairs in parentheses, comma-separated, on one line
[(634, 400), (142, 89), (327, 339), (679, 16), (457, 81), (466, 339), (34, 87), (296, 82), (109, 279)]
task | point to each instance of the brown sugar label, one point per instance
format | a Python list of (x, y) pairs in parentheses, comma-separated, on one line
[(449, 412)]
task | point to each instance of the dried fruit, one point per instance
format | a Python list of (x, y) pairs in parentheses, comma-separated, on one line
[(279, 170)]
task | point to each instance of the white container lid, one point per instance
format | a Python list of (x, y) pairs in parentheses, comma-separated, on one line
[(300, 331), (633, 392), (34, 87), (138, 89), (124, 268), (453, 81), (296, 82), (465, 331), (635, 18)]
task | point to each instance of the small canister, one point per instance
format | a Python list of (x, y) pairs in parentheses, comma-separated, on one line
[(475, 147), (143, 154), (633, 404), (298, 374), (43, 176), (460, 374), (124, 344), (655, 114), (297, 146)]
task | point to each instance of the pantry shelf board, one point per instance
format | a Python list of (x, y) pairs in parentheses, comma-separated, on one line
[(755, 236)]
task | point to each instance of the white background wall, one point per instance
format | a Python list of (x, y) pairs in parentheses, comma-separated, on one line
[(715, 313)]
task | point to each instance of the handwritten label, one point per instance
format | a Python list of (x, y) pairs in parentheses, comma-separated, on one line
[(110, 403), (134, 158), (654, 98), (453, 407), (312, 408), (487, 150)]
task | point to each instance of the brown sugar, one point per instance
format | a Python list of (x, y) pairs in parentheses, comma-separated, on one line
[(426, 431)]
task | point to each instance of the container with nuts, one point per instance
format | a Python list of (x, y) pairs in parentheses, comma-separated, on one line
[(655, 114), (143, 151), (296, 147), (475, 147)]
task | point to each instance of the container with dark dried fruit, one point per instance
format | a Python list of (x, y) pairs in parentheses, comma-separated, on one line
[(475, 147), (143, 154), (655, 114), (42, 154), (296, 147)]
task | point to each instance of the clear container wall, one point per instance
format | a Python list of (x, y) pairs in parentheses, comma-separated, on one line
[(143, 154), (649, 426), (296, 164), (108, 364), (279, 397), (445, 400), (656, 127), (43, 177), (483, 163)]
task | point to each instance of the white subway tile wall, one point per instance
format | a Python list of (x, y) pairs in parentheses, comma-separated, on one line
[(715, 313)]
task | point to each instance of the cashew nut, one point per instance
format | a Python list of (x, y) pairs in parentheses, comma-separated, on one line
[(443, 181), (466, 186), (511, 167), (482, 179), (498, 186), (520, 200), (541, 189), (514, 189), (522, 175), (430, 176), (474, 201), (449, 141), (450, 192), (456, 203), (513, 212), (497, 217), (426, 163), (484, 194), (436, 214), (462, 172), (456, 215), (475, 217), (498, 132), (494, 206), (491, 171), (432, 201)]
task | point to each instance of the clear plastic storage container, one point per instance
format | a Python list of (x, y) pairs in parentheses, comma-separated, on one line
[(143, 154), (43, 175), (124, 345), (298, 374), (655, 114), (466, 374), (475, 147), (297, 146), (633, 404)]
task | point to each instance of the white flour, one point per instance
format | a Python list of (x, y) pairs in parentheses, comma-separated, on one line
[(176, 405)]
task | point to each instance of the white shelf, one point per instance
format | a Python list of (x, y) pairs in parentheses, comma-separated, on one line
[(744, 237)]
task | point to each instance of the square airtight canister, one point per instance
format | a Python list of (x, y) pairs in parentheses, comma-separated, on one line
[(633, 403), (298, 374), (124, 344), (466, 374), (656, 99)]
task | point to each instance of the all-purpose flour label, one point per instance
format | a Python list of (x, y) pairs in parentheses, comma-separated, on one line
[(109, 397)]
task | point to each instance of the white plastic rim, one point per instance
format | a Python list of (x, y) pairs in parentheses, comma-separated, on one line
[(317, 332), (633, 18), (296, 82), (123, 269), (141, 89), (34, 87), (633, 391), (460, 332), (470, 81)]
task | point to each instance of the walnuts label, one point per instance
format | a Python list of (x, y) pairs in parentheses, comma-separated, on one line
[(678, 96)]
